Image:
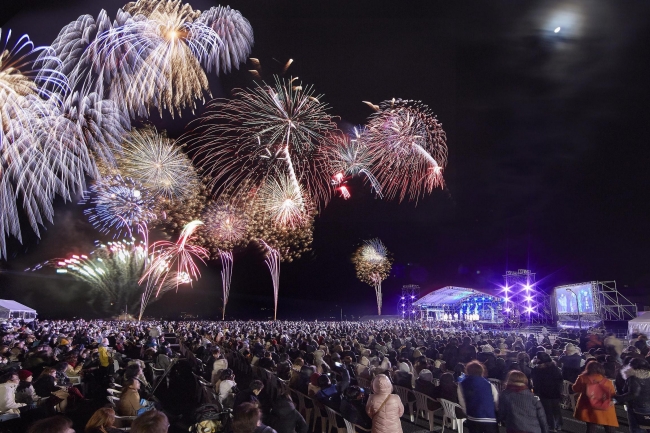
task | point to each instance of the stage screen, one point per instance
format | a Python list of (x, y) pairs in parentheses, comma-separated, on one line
[(565, 301)]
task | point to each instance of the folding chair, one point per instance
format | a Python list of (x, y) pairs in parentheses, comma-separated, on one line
[(123, 422), (566, 402), (302, 405), (354, 428), (333, 421), (422, 405), (318, 414), (450, 415), (114, 392), (404, 394), (112, 400)]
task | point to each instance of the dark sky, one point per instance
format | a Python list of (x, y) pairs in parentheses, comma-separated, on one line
[(547, 136)]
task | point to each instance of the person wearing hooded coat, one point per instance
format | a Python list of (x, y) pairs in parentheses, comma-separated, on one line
[(636, 393), (284, 417), (547, 385), (384, 408), (489, 360)]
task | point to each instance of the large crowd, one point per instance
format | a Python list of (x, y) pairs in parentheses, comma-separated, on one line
[(99, 376)]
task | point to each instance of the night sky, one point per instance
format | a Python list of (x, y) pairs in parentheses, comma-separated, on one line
[(547, 137)]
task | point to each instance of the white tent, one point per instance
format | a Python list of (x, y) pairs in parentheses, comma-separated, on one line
[(640, 323), (14, 310)]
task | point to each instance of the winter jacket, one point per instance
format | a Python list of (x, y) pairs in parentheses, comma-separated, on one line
[(584, 411), (129, 403), (478, 398), (354, 412), (450, 355), (45, 385), (386, 419), (25, 393), (520, 411), (637, 389), (547, 381), (8, 397), (285, 418), (570, 366), (466, 353)]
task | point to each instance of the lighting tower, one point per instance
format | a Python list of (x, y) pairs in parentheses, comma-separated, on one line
[(405, 307), (524, 301)]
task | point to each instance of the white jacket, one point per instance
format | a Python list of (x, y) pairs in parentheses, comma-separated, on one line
[(8, 398)]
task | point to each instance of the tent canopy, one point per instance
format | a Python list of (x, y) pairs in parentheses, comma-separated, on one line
[(640, 324), (8, 305), (451, 295)]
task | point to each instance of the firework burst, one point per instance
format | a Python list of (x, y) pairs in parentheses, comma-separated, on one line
[(155, 53), (111, 271), (349, 157), (408, 148), (283, 202), (373, 263), (120, 205), (158, 163), (41, 152), (264, 131), (177, 256)]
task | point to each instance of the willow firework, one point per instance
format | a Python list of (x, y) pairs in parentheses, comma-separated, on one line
[(158, 163), (408, 148), (42, 152), (111, 271), (263, 132), (373, 263), (159, 49)]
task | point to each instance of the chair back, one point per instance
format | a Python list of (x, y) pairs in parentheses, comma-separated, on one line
[(422, 401), (403, 394), (449, 407), (331, 417), (497, 383)]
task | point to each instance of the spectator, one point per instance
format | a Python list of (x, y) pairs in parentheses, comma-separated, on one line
[(450, 354), (153, 421), (448, 390), (352, 407), (130, 403), (285, 418), (247, 419), (424, 383), (8, 384), (636, 393), (403, 376), (519, 410), (479, 399), (250, 395), (55, 424), (384, 408), (102, 422), (25, 391), (330, 393), (313, 388), (570, 362), (594, 374), (547, 385), (466, 351), (227, 388)]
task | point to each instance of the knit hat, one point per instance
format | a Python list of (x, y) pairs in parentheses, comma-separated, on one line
[(487, 348), (403, 366), (24, 374), (570, 349), (64, 342), (543, 357), (426, 375)]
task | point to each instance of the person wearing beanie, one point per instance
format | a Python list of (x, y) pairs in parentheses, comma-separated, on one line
[(547, 385), (479, 399), (25, 391), (570, 362), (424, 383), (519, 410)]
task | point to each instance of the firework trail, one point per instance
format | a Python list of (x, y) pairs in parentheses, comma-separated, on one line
[(372, 263), (349, 157), (264, 131), (41, 152), (120, 205), (408, 148), (112, 271), (272, 260), (158, 164), (227, 226), (178, 256)]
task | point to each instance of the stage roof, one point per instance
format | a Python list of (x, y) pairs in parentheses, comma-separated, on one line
[(450, 295)]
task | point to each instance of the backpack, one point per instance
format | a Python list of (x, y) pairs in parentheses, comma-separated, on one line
[(599, 397), (209, 418)]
